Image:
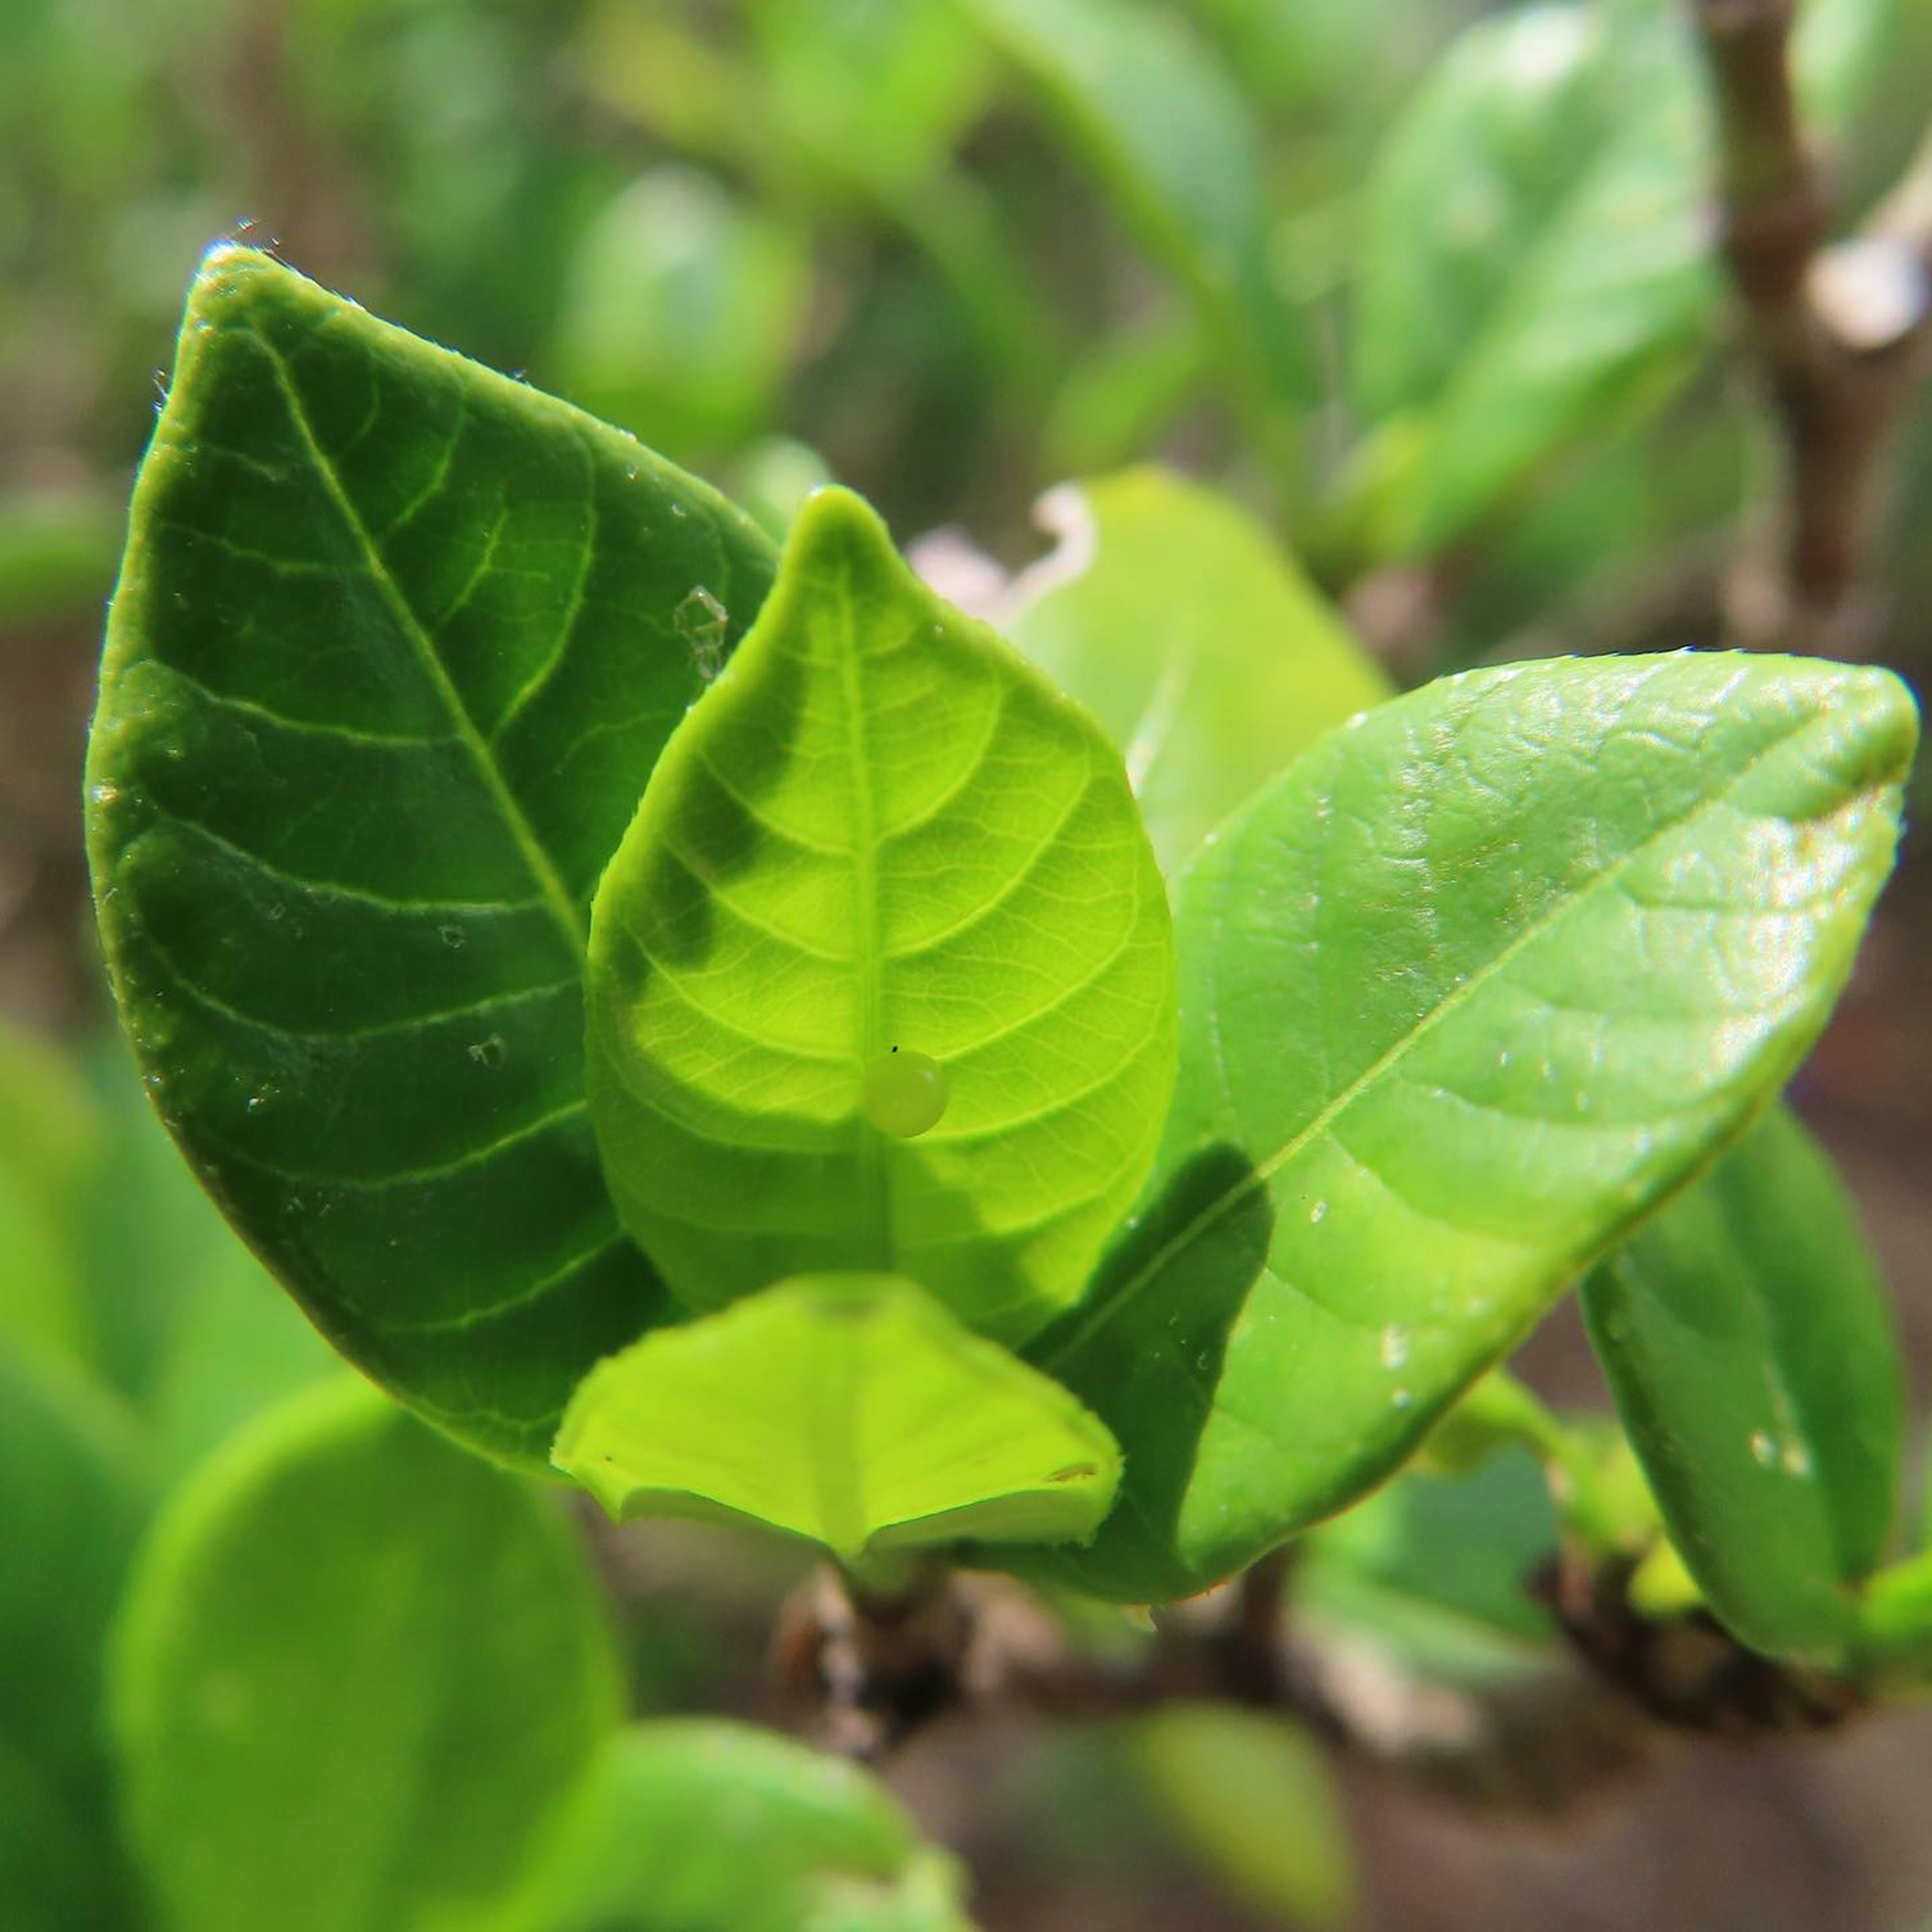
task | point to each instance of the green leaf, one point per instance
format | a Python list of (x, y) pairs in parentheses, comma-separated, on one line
[(1207, 656), (1746, 1335), (48, 1132), (1483, 976), (1532, 244), (354, 1665), (1142, 98), (190, 1329), (233, 1349), (881, 832), (851, 1409), (1249, 1794), (702, 1825), (680, 313), (1432, 1570), (72, 1497), (397, 643)]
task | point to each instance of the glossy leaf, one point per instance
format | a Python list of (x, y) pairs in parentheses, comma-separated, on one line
[(881, 830), (354, 1666), (72, 1497), (1207, 656), (702, 1825), (851, 1409), (1249, 1794), (1746, 1334), (396, 645), (1486, 975), (1143, 99), (1533, 248)]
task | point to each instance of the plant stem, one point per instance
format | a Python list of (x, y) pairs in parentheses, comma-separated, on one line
[(1838, 334)]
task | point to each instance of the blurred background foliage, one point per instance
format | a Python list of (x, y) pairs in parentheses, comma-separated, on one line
[(1428, 286)]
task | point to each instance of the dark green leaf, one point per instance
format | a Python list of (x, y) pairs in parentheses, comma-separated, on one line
[(71, 1500), (882, 851), (354, 1666), (1206, 655), (396, 645), (1746, 1335), (700, 1825), (1486, 974), (851, 1409)]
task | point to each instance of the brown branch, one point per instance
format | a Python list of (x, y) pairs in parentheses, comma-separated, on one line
[(873, 1668), (1838, 334)]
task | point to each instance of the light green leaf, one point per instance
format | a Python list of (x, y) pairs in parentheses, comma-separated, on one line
[(396, 645), (851, 1409), (354, 1666), (881, 832), (1746, 1335), (1207, 656), (680, 313), (234, 1348), (48, 1133), (875, 92), (1485, 975), (191, 1330), (1532, 245), (1142, 96), (72, 1497), (1250, 1795), (701, 1825)]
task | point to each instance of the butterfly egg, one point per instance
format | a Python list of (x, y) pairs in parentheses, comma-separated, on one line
[(905, 1093)]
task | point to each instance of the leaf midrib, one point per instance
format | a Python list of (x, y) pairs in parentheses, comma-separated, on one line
[(573, 923), (1458, 996), (875, 1206)]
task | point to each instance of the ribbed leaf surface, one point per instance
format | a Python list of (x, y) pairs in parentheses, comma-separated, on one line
[(882, 832), (397, 643)]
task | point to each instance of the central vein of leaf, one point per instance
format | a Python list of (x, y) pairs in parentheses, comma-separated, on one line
[(573, 922), (874, 1207)]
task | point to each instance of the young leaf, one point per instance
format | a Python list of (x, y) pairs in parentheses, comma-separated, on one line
[(1142, 97), (72, 1497), (397, 643), (1746, 1334), (882, 834), (851, 1409), (1484, 975), (698, 1822), (1183, 626), (354, 1665)]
